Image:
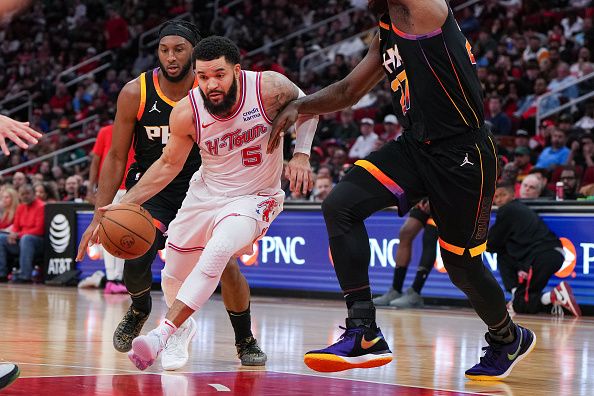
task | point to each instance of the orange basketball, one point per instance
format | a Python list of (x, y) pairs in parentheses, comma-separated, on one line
[(127, 231)]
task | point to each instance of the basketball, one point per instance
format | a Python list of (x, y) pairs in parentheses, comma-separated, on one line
[(127, 231)]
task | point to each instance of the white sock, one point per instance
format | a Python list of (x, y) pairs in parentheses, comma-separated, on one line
[(164, 331), (545, 299)]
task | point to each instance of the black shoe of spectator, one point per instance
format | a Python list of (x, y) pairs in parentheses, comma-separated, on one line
[(19, 281)]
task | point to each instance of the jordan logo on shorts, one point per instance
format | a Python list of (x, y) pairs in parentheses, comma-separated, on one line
[(466, 161), (154, 108)]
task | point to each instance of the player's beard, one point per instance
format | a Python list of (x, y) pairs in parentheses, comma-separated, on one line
[(378, 7), (184, 72), (223, 108)]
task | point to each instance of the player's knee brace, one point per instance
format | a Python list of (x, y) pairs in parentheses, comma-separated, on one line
[(170, 286), (462, 269), (216, 255)]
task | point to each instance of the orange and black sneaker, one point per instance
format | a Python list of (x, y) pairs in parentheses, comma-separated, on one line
[(358, 347)]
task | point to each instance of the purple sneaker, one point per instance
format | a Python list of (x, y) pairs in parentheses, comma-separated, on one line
[(357, 347), (500, 359)]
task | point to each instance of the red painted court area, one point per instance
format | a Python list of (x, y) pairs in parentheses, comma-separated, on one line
[(263, 383)]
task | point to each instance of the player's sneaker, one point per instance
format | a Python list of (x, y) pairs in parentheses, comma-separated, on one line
[(410, 299), (562, 295), (499, 359), (92, 282), (8, 373), (176, 355), (115, 288), (145, 349), (357, 347), (249, 352), (385, 298), (128, 329)]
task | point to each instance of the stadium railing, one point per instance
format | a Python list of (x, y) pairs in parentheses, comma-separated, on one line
[(585, 94)]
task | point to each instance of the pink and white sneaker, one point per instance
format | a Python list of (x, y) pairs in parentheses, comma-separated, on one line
[(145, 349), (563, 295), (115, 288)]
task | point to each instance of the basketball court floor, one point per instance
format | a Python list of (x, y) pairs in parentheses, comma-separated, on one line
[(61, 339)]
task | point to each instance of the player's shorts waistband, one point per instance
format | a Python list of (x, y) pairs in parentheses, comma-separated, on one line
[(472, 136)]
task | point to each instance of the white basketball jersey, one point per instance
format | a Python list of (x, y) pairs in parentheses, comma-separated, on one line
[(233, 149)]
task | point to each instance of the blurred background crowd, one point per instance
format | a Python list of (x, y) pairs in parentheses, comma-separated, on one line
[(62, 65)]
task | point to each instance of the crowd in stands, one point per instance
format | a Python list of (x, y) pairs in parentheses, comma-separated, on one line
[(528, 53)]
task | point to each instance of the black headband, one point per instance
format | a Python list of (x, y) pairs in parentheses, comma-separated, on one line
[(173, 29)]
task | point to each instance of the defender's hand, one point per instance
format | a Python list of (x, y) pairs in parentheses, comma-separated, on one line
[(299, 173), (18, 132), (283, 121), (89, 237)]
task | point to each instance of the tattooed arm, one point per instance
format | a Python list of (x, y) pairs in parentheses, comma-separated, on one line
[(277, 92)]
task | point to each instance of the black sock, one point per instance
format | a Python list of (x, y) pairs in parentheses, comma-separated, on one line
[(242, 324), (398, 281), (363, 294), (143, 302), (503, 333), (420, 279)]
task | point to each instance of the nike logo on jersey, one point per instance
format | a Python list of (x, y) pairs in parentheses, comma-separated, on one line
[(154, 108), (207, 125), (368, 344), (466, 161)]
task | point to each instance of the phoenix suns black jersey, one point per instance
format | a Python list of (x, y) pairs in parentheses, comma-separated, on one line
[(435, 90), (151, 133)]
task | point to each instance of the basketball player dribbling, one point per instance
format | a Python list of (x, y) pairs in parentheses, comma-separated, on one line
[(445, 153), (235, 194), (142, 118)]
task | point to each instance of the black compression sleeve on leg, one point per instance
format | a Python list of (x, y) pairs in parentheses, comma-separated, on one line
[(471, 276), (427, 257), (399, 276), (354, 199)]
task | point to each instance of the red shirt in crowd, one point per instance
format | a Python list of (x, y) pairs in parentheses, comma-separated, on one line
[(101, 147), (116, 30), (28, 219)]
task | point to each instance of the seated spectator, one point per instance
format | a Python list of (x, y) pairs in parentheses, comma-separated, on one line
[(71, 189), (346, 130), (322, 188), (25, 238), (528, 255), (544, 175), (527, 109), (531, 187), (9, 202), (500, 121), (570, 183), (522, 162), (556, 154), (46, 192), (509, 173), (365, 143), (535, 51), (19, 179), (564, 78), (392, 129), (582, 151)]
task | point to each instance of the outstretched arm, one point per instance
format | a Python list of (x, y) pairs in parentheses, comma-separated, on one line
[(277, 91), (337, 96), (19, 132), (171, 162)]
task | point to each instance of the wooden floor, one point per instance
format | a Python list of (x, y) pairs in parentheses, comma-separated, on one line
[(61, 339)]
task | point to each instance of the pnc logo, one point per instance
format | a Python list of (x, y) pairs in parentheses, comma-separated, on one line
[(251, 259), (568, 267)]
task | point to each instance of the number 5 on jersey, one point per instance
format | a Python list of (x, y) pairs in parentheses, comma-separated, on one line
[(252, 156)]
